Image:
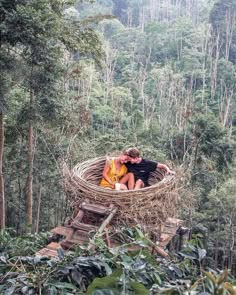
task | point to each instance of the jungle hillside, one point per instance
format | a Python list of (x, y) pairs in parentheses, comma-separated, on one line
[(84, 79)]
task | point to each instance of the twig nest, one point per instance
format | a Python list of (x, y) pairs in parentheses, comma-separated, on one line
[(149, 206)]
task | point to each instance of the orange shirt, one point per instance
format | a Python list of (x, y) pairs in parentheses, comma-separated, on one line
[(113, 174)]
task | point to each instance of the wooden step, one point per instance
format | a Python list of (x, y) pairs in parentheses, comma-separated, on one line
[(173, 222), (47, 252), (82, 233), (67, 245), (62, 231), (72, 243), (83, 226), (98, 209), (50, 250), (53, 246), (78, 239), (169, 229)]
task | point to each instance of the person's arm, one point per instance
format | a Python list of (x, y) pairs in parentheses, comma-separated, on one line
[(105, 174), (166, 168)]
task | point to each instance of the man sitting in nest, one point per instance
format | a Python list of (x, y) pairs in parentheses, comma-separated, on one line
[(141, 168)]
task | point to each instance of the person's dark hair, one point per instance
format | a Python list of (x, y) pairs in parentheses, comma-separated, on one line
[(132, 152)]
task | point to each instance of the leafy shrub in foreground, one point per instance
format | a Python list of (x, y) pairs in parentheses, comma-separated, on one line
[(111, 271)]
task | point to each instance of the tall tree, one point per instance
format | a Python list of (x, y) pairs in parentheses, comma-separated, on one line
[(7, 62), (40, 32)]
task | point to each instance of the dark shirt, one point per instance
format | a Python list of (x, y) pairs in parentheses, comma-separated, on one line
[(142, 170)]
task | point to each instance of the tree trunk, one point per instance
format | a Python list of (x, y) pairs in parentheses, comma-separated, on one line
[(49, 212), (230, 24), (38, 209), (19, 215), (29, 200), (217, 245), (2, 197)]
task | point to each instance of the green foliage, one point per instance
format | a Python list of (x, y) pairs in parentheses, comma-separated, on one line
[(116, 284), (221, 18), (11, 245), (217, 285), (37, 35), (210, 139), (161, 86), (112, 271)]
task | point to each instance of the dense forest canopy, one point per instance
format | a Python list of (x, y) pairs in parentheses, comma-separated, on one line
[(81, 79)]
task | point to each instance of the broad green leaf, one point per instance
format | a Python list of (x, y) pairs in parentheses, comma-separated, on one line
[(140, 234), (139, 289), (102, 283), (189, 256), (64, 285)]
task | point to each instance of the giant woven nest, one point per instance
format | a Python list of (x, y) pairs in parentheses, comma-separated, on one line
[(148, 207)]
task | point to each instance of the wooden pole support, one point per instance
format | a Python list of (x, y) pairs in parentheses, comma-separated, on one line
[(103, 226), (158, 249)]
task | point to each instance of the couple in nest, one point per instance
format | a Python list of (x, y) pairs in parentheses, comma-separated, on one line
[(129, 171)]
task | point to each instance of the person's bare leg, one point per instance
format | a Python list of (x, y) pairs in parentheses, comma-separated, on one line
[(139, 184), (131, 181), (129, 177), (123, 187)]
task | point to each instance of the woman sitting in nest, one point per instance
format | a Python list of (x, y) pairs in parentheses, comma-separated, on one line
[(115, 174)]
